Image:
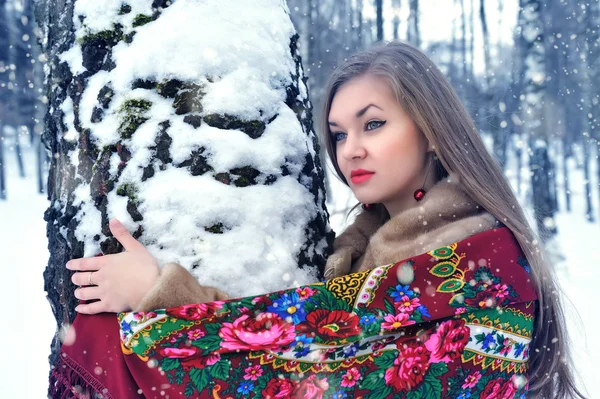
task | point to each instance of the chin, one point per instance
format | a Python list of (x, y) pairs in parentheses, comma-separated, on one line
[(367, 200)]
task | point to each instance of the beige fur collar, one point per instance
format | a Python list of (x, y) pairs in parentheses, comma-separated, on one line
[(445, 215)]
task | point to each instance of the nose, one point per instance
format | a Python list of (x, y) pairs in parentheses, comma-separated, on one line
[(352, 148)]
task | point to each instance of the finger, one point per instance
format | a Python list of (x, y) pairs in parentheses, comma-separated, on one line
[(92, 308), (120, 232), (328, 273), (87, 293), (83, 278), (83, 264)]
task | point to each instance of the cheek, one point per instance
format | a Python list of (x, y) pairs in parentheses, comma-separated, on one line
[(399, 154), (342, 164), (404, 148)]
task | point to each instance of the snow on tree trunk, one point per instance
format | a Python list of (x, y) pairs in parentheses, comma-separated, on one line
[(190, 122)]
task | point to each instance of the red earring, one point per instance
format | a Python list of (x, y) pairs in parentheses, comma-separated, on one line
[(420, 193)]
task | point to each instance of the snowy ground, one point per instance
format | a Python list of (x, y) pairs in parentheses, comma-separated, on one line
[(24, 254), (24, 367), (578, 272)]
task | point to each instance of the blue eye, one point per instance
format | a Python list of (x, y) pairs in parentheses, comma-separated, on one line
[(374, 124), (338, 136)]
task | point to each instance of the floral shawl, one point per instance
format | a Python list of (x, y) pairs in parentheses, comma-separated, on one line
[(455, 322)]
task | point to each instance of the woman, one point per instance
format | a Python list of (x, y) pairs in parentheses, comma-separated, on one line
[(398, 135)]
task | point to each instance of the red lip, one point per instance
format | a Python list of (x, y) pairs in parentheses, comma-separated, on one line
[(361, 178), (360, 175), (358, 172)]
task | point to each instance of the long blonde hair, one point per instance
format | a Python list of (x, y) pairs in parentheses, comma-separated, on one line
[(423, 91)]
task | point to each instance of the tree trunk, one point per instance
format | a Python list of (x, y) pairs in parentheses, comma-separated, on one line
[(598, 172), (412, 27), (361, 28), (532, 35), (492, 115), (463, 40), (519, 156), (396, 6), (416, 22), (500, 19), (553, 178), (543, 203), (592, 61), (566, 153), (310, 35), (379, 10), (19, 154), (212, 162), (514, 102), (486, 43), (587, 184), (472, 41), (2, 167), (40, 161), (351, 25), (31, 72), (15, 80), (452, 74), (4, 93)]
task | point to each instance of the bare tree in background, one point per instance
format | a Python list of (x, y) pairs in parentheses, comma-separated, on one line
[(413, 33), (463, 40), (4, 92), (379, 11), (396, 6), (15, 81), (532, 34), (590, 21)]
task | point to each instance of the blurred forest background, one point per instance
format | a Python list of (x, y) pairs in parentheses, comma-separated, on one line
[(527, 70)]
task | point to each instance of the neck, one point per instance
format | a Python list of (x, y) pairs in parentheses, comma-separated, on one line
[(395, 206)]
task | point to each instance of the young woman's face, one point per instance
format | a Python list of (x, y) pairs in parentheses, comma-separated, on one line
[(380, 151)]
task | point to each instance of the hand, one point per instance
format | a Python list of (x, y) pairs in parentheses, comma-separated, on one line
[(338, 263), (119, 281)]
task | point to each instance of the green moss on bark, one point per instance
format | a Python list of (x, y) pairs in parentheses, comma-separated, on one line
[(133, 115), (110, 37), (254, 128), (215, 228), (128, 190), (141, 19)]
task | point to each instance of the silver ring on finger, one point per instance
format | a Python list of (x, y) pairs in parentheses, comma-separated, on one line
[(90, 278)]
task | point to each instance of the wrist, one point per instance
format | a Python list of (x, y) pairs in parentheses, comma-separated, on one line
[(144, 285)]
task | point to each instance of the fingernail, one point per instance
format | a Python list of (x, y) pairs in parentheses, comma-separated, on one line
[(77, 309)]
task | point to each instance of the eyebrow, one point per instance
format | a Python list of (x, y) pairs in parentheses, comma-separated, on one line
[(359, 113)]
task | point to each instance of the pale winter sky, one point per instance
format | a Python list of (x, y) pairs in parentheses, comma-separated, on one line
[(435, 19)]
